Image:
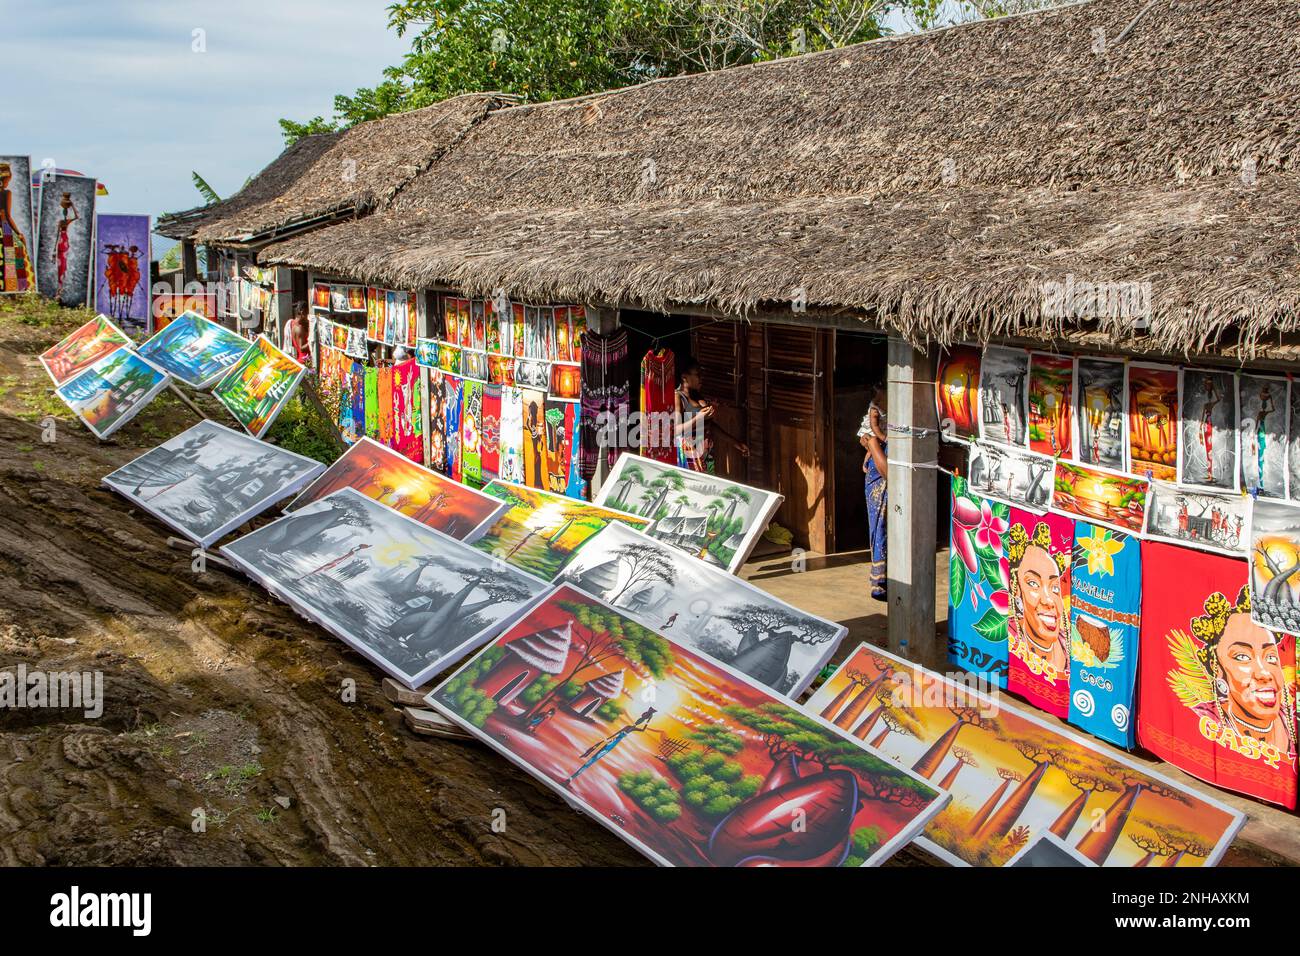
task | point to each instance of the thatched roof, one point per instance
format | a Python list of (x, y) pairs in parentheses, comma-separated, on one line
[(935, 181), (330, 174)]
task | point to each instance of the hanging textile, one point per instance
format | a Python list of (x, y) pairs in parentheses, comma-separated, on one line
[(978, 585), (471, 413), (437, 422), (452, 388), (606, 388), (536, 469), (490, 431), (1105, 608), (385, 399), (1040, 549), (407, 429), (512, 434), (372, 402), (1217, 690), (576, 488), (357, 374), (347, 426), (658, 384)]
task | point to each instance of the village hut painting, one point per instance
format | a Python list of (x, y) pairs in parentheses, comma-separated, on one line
[(704, 608), (1013, 776), (1198, 519), (81, 349), (699, 514), (194, 349), (540, 531), (409, 598), (1013, 477), (392, 479), (210, 479), (257, 386), (686, 760), (112, 391)]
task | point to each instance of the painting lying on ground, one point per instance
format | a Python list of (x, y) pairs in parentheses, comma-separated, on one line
[(1198, 519), (1274, 536), (957, 393), (1262, 404), (83, 348), (195, 350), (1051, 404), (393, 479), (1011, 476), (705, 609), (112, 391), (210, 479), (687, 761), (1100, 436), (1153, 421), (406, 596), (1116, 500), (67, 228), (121, 274), (541, 531), (1217, 689), (1013, 776), (258, 386), (699, 514), (1207, 447), (17, 232), (1004, 396)]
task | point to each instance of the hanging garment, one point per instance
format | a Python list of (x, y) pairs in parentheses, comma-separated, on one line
[(512, 434), (658, 382), (606, 389), (978, 599), (385, 399), (1040, 550), (372, 402), (357, 376), (490, 431), (452, 386), (534, 439), (406, 435), (437, 422), (576, 488)]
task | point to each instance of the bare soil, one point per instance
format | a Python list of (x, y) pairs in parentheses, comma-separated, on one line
[(221, 705)]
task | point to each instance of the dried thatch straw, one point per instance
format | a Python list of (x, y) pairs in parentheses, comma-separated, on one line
[(938, 181), (348, 172)]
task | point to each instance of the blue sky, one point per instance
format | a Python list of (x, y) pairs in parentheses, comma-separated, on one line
[(113, 88)]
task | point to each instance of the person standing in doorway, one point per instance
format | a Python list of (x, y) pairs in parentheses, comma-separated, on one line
[(873, 436), (694, 419), (296, 340)]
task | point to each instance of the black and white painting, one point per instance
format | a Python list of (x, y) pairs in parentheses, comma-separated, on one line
[(1049, 850), (1018, 478), (1207, 447), (1004, 396), (410, 598), (1273, 535), (707, 517), (210, 479), (1205, 520), (1099, 403), (704, 608), (1262, 403)]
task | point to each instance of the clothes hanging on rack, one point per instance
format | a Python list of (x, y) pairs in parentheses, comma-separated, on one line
[(658, 381), (606, 390)]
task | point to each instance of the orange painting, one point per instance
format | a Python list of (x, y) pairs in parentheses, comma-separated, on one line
[(1014, 777), (957, 387), (82, 349), (1153, 421), (394, 480)]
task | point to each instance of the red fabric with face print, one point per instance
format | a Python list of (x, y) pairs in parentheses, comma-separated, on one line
[(1039, 548)]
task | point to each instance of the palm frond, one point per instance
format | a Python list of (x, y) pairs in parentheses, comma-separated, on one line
[(207, 192)]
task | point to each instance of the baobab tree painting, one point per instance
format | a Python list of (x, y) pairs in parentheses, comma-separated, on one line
[(410, 598), (744, 762), (1013, 777), (698, 514), (540, 531), (704, 608), (393, 479)]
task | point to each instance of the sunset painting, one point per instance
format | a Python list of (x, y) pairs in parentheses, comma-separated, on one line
[(686, 760)]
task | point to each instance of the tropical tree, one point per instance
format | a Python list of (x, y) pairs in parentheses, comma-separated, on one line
[(631, 474), (1087, 785), (1008, 815), (962, 758), (717, 737), (645, 563)]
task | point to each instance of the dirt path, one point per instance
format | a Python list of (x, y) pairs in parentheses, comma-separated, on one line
[(218, 698)]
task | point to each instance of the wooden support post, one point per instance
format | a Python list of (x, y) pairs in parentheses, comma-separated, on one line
[(913, 446), (189, 261), (186, 401)]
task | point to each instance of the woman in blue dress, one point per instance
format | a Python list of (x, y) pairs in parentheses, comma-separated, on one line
[(873, 436)]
